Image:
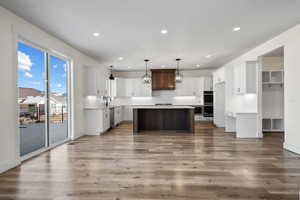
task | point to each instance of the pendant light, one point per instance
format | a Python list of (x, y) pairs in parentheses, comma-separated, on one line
[(111, 77), (146, 77), (178, 76)]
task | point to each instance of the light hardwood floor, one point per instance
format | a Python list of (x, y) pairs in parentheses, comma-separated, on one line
[(209, 164)]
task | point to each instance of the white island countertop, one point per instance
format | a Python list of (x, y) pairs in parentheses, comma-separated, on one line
[(163, 107)]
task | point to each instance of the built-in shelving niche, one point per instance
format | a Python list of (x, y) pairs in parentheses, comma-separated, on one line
[(273, 92), (272, 77), (273, 125)]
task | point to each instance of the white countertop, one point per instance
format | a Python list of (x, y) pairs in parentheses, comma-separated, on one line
[(94, 107), (234, 114), (100, 107), (163, 107)]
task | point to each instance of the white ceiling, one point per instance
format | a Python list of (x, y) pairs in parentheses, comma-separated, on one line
[(131, 28)]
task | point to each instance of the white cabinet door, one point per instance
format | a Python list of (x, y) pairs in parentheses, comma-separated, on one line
[(238, 79), (100, 82), (251, 76), (90, 81), (208, 83), (190, 86), (179, 89), (144, 90), (195, 86), (121, 87), (95, 81), (219, 76), (199, 86), (128, 87), (245, 77), (92, 125), (117, 115), (134, 87), (183, 88), (128, 113), (106, 120)]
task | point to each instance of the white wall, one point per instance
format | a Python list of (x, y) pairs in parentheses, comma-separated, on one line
[(10, 27), (291, 42)]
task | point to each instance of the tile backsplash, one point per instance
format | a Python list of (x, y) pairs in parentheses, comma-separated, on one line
[(190, 100)]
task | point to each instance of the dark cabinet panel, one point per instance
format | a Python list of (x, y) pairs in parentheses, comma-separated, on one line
[(163, 79), (163, 119)]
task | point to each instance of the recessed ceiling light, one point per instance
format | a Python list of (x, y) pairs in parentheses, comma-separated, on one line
[(120, 58), (164, 31), (208, 56), (197, 65), (235, 29), (129, 67), (96, 34)]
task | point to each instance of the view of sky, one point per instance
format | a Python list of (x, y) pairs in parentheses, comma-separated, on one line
[(31, 70)]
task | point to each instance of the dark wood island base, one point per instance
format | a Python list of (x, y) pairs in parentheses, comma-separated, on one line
[(168, 118)]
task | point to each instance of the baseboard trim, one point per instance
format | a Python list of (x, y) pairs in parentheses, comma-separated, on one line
[(292, 148), (8, 165)]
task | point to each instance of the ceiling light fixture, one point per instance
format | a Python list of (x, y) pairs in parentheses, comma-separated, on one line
[(111, 77), (146, 78), (197, 65), (208, 56), (178, 76), (96, 34), (235, 29), (164, 31), (120, 58), (163, 66)]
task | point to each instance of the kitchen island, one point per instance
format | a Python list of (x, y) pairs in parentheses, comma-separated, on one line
[(163, 118)]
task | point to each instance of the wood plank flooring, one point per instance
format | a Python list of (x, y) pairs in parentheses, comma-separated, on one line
[(209, 164)]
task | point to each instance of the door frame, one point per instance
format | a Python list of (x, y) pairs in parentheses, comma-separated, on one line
[(47, 53)]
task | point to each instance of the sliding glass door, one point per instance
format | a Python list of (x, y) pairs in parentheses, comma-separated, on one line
[(31, 99), (42, 100), (58, 100)]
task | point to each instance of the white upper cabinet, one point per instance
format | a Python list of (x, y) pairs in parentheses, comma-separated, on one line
[(208, 83), (219, 76), (120, 87), (132, 87), (190, 86), (95, 81), (141, 89), (245, 76)]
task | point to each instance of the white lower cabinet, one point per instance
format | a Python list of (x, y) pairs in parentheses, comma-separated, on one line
[(128, 113), (244, 124), (96, 120), (118, 118), (106, 120)]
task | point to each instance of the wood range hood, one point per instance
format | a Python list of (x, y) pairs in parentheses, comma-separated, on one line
[(163, 79)]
